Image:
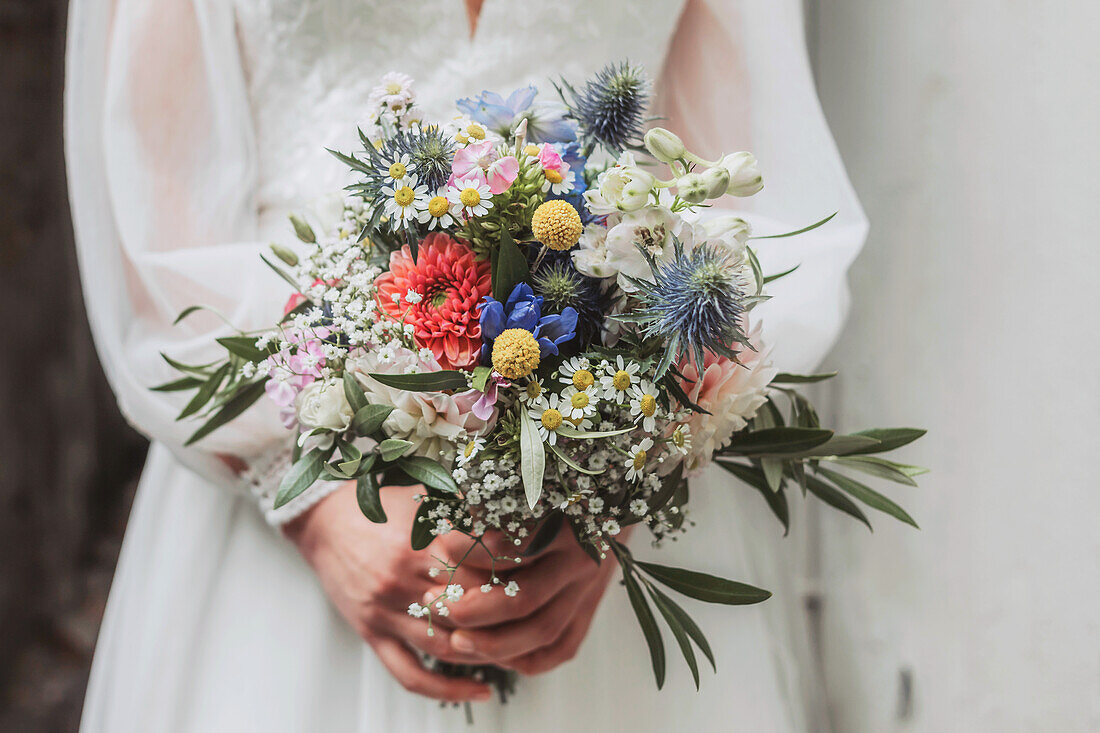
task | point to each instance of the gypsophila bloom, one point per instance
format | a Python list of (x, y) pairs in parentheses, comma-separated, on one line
[(418, 611), (611, 527), (638, 507), (511, 589), (453, 593), (486, 588)]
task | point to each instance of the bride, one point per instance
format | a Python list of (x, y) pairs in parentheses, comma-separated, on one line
[(193, 128)]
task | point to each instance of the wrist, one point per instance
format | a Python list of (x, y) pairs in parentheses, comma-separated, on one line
[(307, 529)]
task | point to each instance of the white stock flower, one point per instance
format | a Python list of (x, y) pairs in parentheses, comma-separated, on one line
[(590, 256), (745, 177), (623, 187), (323, 404), (652, 229)]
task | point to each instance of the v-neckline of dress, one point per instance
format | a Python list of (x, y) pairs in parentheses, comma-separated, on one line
[(473, 17)]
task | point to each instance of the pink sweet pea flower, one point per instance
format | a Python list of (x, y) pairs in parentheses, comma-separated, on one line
[(481, 161), (483, 408), (550, 160)]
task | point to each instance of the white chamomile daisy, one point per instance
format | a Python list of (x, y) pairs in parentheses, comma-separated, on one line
[(578, 403), (618, 378), (533, 394), (643, 403), (467, 452), (635, 463), (549, 418), (557, 182), (577, 372), (398, 170), (404, 202), (583, 424), (470, 131), (470, 196), (680, 440), (437, 212)]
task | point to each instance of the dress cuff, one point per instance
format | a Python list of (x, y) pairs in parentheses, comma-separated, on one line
[(262, 479)]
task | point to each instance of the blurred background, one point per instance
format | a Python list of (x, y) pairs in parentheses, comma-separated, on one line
[(969, 131)]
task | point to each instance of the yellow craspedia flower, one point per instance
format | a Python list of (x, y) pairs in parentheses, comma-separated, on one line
[(515, 353), (557, 225)]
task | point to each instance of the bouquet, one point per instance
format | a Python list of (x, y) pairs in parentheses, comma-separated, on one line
[(520, 309)]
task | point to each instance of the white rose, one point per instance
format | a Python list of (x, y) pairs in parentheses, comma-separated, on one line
[(745, 177), (323, 404)]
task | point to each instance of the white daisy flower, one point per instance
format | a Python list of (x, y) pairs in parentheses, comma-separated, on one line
[(471, 196), (635, 463), (398, 170), (394, 91), (577, 372), (404, 202), (618, 379), (471, 449), (549, 418), (680, 440), (643, 404), (578, 403), (437, 212), (534, 393), (556, 183), (583, 424)]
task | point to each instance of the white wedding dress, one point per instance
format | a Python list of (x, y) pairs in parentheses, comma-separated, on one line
[(193, 127)]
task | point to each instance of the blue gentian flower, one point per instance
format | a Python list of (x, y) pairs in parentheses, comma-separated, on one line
[(546, 121), (523, 309)]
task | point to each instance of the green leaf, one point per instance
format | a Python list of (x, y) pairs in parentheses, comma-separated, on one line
[(787, 378), (232, 409), (281, 273), (422, 527), (835, 499), (704, 587), (867, 495), (666, 360), (757, 272), (199, 370), (803, 230), (481, 377), (532, 457), (178, 385), (777, 500), (429, 473), (300, 477), (302, 230), (776, 276), (570, 462), (890, 438), (777, 441), (393, 448), (839, 445), (424, 381), (902, 473), (772, 467), (546, 533), (208, 389), (244, 347), (649, 626), (569, 432), (509, 267), (369, 418), (356, 397), (678, 633), (688, 623), (366, 493), (353, 457)]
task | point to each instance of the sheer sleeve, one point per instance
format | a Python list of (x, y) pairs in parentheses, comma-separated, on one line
[(161, 166), (726, 89)]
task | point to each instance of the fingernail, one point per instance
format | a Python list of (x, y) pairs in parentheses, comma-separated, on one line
[(461, 642)]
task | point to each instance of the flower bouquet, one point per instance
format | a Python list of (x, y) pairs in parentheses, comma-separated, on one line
[(521, 309)]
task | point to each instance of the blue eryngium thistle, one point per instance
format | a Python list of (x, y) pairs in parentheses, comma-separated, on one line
[(694, 304), (611, 106), (431, 153), (562, 286)]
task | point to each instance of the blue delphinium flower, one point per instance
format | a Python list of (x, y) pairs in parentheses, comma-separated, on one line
[(611, 107), (523, 309), (694, 304), (547, 122)]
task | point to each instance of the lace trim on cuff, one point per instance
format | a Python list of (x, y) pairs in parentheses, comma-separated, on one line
[(262, 479)]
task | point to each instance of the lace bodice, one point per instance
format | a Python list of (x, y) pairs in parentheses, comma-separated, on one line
[(310, 65)]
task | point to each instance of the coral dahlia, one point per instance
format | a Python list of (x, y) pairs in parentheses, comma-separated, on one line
[(450, 284)]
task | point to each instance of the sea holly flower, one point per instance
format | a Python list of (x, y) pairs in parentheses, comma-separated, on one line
[(611, 106), (482, 161), (523, 310)]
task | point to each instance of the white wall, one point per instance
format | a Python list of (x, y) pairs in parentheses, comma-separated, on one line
[(971, 129)]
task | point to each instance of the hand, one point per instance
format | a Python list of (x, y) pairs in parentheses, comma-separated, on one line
[(544, 624), (371, 574)]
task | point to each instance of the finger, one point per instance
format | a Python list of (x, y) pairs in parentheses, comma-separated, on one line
[(415, 632), (539, 584), (490, 551), (507, 641), (564, 648), (406, 669)]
